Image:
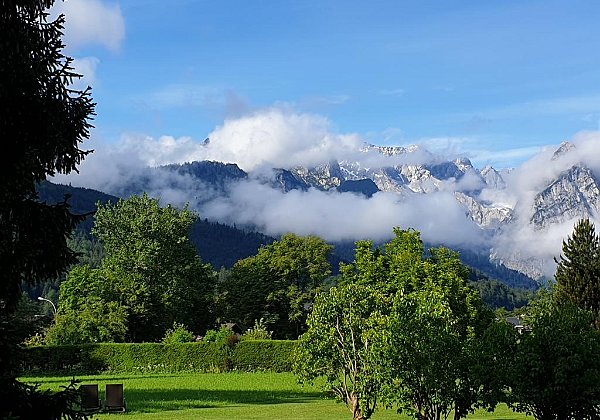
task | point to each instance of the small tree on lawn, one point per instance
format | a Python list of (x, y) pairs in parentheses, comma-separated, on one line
[(400, 328), (342, 329), (435, 324)]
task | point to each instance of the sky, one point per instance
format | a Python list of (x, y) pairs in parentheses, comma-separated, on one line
[(280, 83), (496, 81)]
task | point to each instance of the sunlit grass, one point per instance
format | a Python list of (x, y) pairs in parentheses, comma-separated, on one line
[(228, 396)]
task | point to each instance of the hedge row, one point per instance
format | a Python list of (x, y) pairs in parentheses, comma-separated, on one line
[(247, 355)]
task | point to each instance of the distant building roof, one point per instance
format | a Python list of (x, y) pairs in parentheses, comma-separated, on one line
[(233, 327), (518, 324), (514, 320)]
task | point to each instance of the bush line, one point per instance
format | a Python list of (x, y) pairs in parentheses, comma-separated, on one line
[(91, 359)]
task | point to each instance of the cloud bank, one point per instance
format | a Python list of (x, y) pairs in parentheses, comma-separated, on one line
[(273, 138), (91, 22), (344, 217)]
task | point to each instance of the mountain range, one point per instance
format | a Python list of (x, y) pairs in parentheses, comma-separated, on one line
[(506, 221), (223, 245)]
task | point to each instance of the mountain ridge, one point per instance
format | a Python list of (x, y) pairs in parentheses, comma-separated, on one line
[(513, 217), (222, 245)]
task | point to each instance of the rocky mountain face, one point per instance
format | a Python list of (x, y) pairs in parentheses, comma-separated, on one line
[(365, 187), (492, 178), (322, 177), (399, 178), (574, 193), (215, 173), (488, 216)]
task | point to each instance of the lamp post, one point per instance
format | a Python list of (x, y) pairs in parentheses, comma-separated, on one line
[(51, 303)]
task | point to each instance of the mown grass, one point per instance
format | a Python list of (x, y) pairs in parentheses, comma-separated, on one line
[(228, 396)]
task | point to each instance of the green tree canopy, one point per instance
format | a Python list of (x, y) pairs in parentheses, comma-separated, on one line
[(150, 278), (154, 267), (435, 324), (578, 270), (403, 326), (89, 310), (556, 371), (278, 284), (343, 327)]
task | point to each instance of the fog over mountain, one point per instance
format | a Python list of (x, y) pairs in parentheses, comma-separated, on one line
[(290, 165)]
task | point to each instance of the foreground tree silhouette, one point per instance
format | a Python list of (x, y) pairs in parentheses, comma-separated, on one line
[(578, 270), (42, 122)]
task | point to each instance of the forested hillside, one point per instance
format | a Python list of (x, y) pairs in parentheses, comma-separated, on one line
[(223, 245), (218, 244)]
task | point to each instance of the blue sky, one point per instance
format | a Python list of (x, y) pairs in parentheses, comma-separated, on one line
[(495, 80)]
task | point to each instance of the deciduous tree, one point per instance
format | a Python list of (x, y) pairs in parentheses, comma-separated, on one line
[(401, 329), (344, 326), (278, 284), (89, 310), (434, 326), (150, 278), (556, 371), (153, 268)]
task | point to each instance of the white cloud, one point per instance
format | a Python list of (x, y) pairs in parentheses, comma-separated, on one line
[(470, 181), (268, 138), (281, 138), (86, 67), (342, 217), (106, 169), (91, 22)]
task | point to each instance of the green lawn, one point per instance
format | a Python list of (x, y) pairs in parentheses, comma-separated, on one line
[(227, 396)]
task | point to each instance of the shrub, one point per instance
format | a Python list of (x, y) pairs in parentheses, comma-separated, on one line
[(267, 355), (248, 355), (220, 336), (178, 334), (34, 340), (258, 331)]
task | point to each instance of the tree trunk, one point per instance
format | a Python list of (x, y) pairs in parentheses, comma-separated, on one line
[(354, 405)]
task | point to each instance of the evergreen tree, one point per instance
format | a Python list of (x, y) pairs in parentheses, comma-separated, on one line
[(555, 372), (42, 122), (578, 271)]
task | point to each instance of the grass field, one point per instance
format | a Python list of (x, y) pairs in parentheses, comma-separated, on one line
[(228, 396)]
